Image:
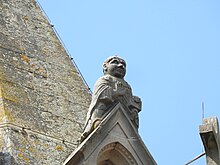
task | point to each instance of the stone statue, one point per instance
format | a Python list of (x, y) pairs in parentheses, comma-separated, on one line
[(108, 91)]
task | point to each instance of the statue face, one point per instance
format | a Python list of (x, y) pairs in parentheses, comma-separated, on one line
[(116, 67)]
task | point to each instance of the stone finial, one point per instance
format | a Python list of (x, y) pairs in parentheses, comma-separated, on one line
[(110, 89), (209, 132)]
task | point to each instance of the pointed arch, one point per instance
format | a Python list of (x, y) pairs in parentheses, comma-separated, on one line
[(115, 154)]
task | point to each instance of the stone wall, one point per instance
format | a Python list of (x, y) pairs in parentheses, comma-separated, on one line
[(43, 99)]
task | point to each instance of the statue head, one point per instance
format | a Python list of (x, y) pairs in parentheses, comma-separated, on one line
[(115, 66)]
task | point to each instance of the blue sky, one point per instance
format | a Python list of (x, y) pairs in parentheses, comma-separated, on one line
[(172, 50)]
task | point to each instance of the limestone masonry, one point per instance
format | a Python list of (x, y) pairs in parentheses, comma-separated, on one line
[(43, 99), (44, 102)]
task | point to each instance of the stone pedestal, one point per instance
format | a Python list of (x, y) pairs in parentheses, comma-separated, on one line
[(114, 141)]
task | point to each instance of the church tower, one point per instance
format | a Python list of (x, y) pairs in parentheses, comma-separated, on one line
[(43, 99)]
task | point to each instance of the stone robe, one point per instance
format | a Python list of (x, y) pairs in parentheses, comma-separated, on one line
[(108, 91)]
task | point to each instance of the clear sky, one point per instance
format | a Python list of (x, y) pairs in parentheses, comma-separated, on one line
[(172, 50)]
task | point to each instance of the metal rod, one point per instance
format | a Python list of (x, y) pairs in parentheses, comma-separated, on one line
[(202, 154)]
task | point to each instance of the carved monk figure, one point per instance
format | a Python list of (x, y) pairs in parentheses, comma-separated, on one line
[(108, 91)]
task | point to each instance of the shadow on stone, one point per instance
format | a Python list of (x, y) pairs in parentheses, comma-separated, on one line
[(7, 159)]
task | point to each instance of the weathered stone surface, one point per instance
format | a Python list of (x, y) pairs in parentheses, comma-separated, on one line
[(40, 89), (108, 91), (114, 142), (20, 146), (209, 133)]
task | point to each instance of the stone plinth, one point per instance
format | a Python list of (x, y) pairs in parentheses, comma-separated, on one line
[(114, 142)]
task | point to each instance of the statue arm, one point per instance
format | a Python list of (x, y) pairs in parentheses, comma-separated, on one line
[(102, 93), (106, 96), (136, 103), (106, 90)]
